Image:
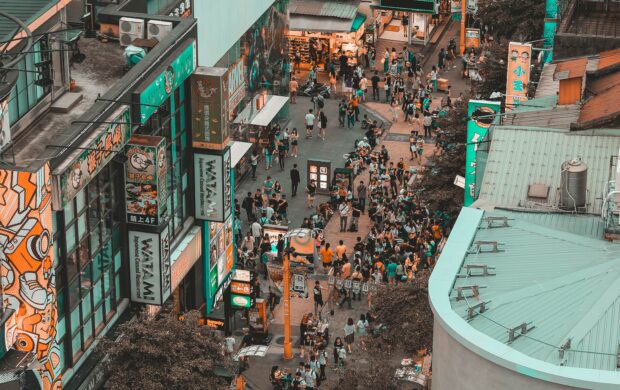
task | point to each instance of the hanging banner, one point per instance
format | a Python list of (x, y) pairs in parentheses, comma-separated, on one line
[(210, 108), (472, 38), (167, 81), (106, 141), (149, 266), (518, 78), (482, 116), (145, 180), (213, 188), (28, 273)]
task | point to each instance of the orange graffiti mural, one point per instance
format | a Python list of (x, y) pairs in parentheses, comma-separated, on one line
[(27, 271)]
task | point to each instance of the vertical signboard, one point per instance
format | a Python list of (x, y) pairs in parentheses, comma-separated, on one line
[(106, 142), (149, 266), (167, 81), (27, 262), (213, 188), (236, 86), (209, 108), (482, 116), (518, 78), (145, 180)]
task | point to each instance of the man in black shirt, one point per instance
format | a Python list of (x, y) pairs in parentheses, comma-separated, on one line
[(282, 208), (295, 179), (248, 206), (375, 86)]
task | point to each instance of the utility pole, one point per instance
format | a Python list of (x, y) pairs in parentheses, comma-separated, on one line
[(463, 14), (286, 276)]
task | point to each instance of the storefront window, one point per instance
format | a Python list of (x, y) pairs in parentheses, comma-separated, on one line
[(88, 275), (169, 121)]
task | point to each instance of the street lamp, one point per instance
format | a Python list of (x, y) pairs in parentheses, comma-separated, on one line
[(286, 273)]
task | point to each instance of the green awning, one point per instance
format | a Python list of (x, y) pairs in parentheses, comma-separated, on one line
[(360, 18)]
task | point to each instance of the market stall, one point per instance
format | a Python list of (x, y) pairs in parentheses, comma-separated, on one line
[(255, 121), (240, 153), (317, 39)]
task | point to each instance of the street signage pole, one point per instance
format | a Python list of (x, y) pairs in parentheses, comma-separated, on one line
[(286, 276), (463, 11)]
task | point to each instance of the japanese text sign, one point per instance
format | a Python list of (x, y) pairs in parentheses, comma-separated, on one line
[(519, 60)]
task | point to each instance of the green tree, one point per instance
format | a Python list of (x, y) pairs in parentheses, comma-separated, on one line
[(521, 20), (166, 353)]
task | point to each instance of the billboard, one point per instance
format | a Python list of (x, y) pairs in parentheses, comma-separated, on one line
[(410, 5), (210, 108), (145, 180), (167, 81), (213, 198), (27, 264), (518, 78), (472, 38), (482, 116), (108, 139), (149, 266), (221, 260), (235, 86)]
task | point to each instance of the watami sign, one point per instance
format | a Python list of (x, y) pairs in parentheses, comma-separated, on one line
[(149, 266), (213, 187)]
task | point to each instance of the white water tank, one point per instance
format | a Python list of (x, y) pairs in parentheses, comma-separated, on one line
[(573, 184)]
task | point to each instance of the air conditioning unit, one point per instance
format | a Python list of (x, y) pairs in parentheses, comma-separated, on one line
[(158, 29), (130, 29)]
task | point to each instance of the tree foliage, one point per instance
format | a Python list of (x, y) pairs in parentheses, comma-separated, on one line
[(436, 186), (166, 353), (493, 70), (406, 316), (520, 20)]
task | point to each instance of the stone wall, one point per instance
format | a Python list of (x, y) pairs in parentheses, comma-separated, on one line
[(571, 45)]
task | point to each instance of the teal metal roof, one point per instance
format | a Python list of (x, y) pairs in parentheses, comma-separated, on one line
[(340, 9), (565, 285), (25, 10), (521, 156), (543, 112)]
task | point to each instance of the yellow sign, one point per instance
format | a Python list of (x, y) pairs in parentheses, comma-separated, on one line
[(472, 38), (519, 60)]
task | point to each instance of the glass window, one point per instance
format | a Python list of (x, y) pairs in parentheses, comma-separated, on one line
[(90, 258), (60, 328)]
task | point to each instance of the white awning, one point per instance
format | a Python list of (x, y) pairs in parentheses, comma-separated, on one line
[(319, 23), (237, 151), (265, 115)]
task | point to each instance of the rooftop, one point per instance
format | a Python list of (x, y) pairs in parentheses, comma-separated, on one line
[(523, 156), (570, 69), (573, 294), (591, 18), (563, 284), (102, 68), (609, 58), (341, 10), (543, 112)]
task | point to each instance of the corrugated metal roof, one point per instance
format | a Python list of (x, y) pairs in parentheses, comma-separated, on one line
[(543, 112), (25, 10), (605, 101), (584, 225), (570, 69), (609, 58), (547, 86), (317, 23), (564, 284), (521, 156), (340, 9)]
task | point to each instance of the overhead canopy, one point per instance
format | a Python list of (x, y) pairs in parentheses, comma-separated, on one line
[(265, 115), (237, 151), (319, 23), (359, 20)]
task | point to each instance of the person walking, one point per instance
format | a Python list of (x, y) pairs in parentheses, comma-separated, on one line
[(362, 194), (281, 154), (363, 87), (393, 109), (294, 138), (322, 360), (342, 112), (326, 256), (318, 299), (254, 163), (374, 80), (338, 345), (350, 116), (434, 78), (309, 123), (349, 334), (344, 210), (311, 190), (295, 179), (268, 157), (322, 124), (361, 327), (292, 87), (428, 122)]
